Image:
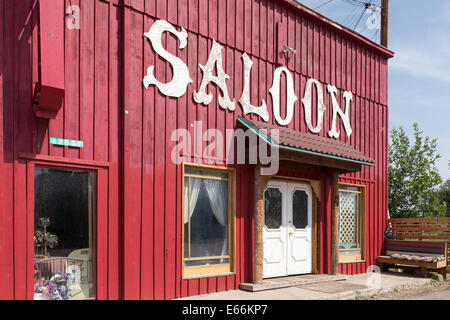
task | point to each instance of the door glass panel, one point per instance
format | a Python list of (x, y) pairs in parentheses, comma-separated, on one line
[(64, 234), (272, 208), (300, 209)]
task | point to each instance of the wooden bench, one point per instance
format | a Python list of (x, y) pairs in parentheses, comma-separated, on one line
[(428, 256), (422, 229)]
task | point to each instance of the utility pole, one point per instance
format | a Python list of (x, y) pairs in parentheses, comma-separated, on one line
[(384, 22)]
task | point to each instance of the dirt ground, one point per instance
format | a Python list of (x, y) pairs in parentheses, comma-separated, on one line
[(435, 290)]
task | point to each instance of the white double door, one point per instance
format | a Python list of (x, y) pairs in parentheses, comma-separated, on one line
[(287, 232)]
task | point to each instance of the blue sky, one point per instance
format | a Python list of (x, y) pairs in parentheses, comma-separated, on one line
[(419, 74)]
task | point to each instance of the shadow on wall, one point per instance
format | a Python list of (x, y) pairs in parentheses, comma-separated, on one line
[(21, 131)]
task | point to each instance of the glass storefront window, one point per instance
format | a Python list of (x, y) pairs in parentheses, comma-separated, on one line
[(207, 225), (64, 234)]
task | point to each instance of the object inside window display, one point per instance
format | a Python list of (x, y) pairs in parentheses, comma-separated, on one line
[(64, 234)]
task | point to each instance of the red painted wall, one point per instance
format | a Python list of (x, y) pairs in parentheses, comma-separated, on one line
[(105, 62)]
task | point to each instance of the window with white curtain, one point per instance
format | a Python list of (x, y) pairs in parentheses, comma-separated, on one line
[(207, 220)]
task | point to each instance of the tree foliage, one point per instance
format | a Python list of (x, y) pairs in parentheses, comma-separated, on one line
[(444, 194), (413, 176)]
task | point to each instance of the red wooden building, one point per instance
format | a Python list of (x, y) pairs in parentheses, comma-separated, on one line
[(91, 93)]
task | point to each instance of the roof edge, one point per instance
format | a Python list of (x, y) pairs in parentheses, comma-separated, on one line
[(249, 125), (385, 52)]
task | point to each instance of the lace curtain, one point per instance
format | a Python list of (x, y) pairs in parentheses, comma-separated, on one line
[(195, 185), (217, 192), (218, 199)]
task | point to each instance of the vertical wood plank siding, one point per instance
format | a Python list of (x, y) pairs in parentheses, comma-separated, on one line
[(105, 62)]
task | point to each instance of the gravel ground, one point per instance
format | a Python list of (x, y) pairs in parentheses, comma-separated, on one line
[(435, 290)]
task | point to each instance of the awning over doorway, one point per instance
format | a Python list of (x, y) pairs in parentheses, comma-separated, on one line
[(309, 144)]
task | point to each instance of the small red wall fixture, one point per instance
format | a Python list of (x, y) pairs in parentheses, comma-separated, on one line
[(49, 91)]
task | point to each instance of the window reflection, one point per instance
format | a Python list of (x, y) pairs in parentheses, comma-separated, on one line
[(272, 208), (300, 209), (206, 218), (64, 234)]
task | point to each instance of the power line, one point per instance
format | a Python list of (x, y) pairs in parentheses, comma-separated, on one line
[(351, 17), (355, 3), (360, 3), (360, 31), (350, 20), (375, 35), (366, 5), (323, 4), (360, 17), (355, 17)]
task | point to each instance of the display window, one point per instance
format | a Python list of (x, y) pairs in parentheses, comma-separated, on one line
[(208, 219), (64, 234)]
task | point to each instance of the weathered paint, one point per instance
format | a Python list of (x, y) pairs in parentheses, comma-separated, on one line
[(139, 196)]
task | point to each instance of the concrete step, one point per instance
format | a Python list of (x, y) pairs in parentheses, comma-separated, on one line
[(285, 282)]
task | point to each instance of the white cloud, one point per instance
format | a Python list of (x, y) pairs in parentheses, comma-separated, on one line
[(443, 163), (432, 64), (422, 46)]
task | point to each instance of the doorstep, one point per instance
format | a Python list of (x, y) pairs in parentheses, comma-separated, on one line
[(293, 281)]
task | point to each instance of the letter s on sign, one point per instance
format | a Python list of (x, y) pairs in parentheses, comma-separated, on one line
[(178, 85)]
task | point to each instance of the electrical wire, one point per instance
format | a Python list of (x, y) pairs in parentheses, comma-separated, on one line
[(374, 37), (360, 31), (349, 20), (359, 19), (323, 4), (360, 3), (355, 3), (362, 13), (355, 17)]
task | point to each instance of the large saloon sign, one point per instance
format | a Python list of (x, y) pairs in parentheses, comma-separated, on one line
[(177, 87)]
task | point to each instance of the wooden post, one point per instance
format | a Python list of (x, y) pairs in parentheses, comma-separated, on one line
[(335, 225), (384, 22), (260, 186)]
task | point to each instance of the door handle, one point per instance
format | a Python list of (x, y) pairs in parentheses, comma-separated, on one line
[(291, 233)]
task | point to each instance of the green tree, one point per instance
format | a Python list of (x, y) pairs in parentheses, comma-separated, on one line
[(444, 194), (413, 176)]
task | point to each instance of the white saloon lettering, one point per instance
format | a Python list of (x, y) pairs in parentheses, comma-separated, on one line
[(181, 79), (337, 110), (247, 107), (177, 87), (291, 98), (307, 104), (215, 59)]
